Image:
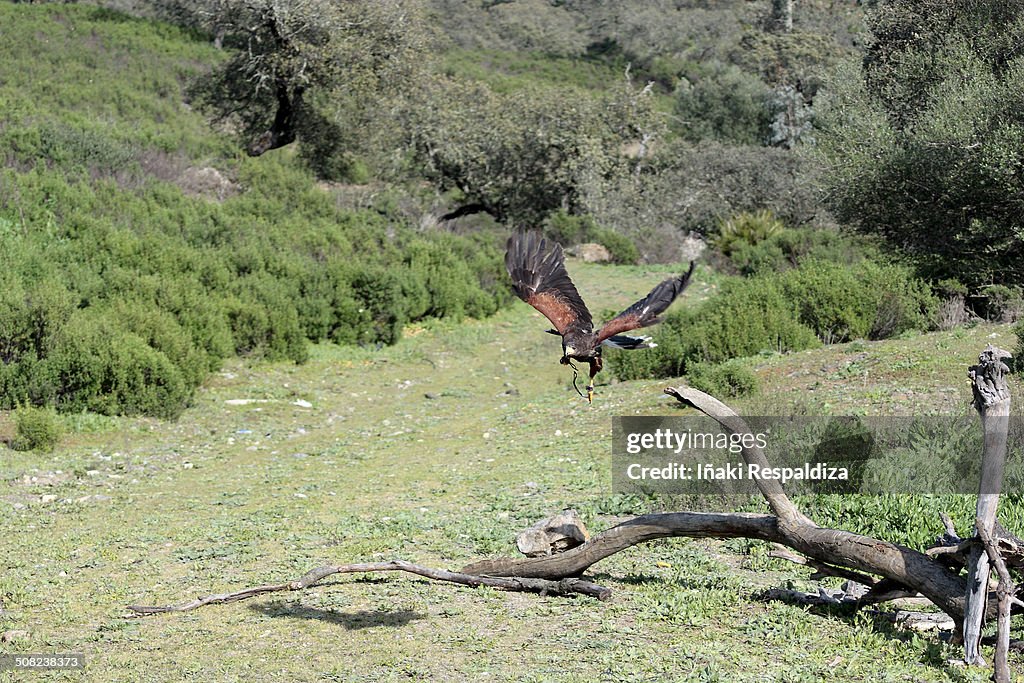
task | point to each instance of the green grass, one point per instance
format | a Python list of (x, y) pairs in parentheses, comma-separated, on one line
[(145, 511), (79, 66)]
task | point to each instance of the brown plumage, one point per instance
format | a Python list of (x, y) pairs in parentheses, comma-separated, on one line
[(539, 277)]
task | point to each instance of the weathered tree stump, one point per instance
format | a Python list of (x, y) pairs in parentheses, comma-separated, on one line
[(992, 401), (553, 535)]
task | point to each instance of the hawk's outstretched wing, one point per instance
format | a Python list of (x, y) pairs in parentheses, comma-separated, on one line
[(539, 278), (646, 311)]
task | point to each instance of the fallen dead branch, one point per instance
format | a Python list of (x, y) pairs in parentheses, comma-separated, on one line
[(564, 587), (909, 569)]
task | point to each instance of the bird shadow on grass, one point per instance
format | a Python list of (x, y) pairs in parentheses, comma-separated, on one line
[(351, 621)]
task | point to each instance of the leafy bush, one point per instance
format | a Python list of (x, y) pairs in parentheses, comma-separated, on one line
[(745, 318), (731, 379), (36, 429), (866, 300), (789, 247), (97, 366), (622, 249), (161, 331), (922, 143), (722, 102), (1002, 303), (265, 320), (785, 311)]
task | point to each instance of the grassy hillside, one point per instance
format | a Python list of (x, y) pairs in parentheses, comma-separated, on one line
[(438, 450), (349, 385), (144, 250)]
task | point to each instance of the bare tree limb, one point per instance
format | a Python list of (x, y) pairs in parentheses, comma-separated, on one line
[(771, 489), (1006, 594), (821, 569), (312, 577)]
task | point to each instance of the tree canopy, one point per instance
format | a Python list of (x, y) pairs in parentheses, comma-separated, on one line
[(292, 62), (925, 141)]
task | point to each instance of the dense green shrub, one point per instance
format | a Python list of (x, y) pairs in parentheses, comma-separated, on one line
[(442, 281), (621, 248), (866, 300), (731, 379), (30, 314), (904, 302), (745, 318), (831, 301), (722, 102), (568, 229), (265, 320), (747, 228), (789, 247), (378, 289), (159, 329), (36, 429), (1001, 303), (785, 311), (95, 365), (922, 143)]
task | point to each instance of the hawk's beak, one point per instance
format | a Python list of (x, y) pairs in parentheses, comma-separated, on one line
[(569, 351)]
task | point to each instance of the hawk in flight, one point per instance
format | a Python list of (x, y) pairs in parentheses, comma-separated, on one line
[(539, 278)]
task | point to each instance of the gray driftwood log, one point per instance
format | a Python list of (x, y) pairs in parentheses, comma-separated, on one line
[(992, 401)]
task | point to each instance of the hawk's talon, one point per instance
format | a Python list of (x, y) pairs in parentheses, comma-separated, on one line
[(590, 393)]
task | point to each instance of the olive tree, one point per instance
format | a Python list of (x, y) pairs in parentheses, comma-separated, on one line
[(294, 65), (522, 155), (924, 141)]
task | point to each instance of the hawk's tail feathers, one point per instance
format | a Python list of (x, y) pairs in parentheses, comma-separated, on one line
[(622, 341)]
